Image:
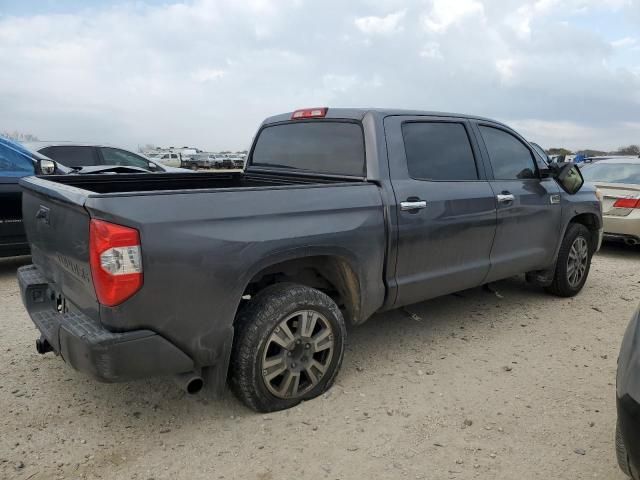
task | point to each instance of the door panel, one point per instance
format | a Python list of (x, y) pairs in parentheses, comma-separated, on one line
[(528, 227), (446, 228), (529, 210)]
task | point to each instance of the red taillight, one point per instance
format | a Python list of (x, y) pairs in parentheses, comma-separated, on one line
[(627, 203), (116, 261), (309, 113)]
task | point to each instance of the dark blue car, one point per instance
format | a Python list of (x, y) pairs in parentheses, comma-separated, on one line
[(15, 162)]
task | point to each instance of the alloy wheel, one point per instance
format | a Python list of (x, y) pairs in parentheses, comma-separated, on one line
[(297, 354)]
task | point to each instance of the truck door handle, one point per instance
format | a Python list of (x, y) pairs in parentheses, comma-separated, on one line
[(505, 197), (412, 204)]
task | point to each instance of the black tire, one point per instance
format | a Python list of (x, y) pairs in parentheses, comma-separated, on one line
[(561, 285), (255, 327), (621, 453)]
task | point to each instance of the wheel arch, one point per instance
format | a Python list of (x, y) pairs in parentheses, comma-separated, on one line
[(591, 221), (332, 271)]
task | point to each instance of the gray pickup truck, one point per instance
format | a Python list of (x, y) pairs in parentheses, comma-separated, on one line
[(251, 278)]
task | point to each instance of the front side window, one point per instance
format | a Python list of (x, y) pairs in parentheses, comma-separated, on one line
[(14, 164), (115, 156), (438, 151), (509, 157), (71, 156), (321, 147)]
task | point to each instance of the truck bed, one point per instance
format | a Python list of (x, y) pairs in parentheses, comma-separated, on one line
[(171, 182)]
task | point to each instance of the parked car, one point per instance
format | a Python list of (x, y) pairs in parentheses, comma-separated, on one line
[(257, 276), (199, 160), (169, 159), (628, 401), (77, 155), (619, 182), (15, 163)]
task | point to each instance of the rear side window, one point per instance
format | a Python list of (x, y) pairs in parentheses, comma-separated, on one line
[(322, 147), (14, 164), (438, 151), (510, 158), (72, 156)]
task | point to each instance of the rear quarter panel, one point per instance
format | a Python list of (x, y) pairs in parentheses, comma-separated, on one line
[(200, 249)]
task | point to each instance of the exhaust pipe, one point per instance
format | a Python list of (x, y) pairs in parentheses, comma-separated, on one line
[(43, 346), (632, 242), (190, 382)]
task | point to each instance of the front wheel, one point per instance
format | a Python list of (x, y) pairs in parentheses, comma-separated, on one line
[(289, 346), (573, 262)]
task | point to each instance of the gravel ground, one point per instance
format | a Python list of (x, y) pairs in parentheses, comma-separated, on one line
[(511, 384)]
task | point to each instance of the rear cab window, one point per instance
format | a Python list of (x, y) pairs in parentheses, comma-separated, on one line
[(331, 147)]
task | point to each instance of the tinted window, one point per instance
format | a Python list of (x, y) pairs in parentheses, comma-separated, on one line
[(612, 173), (438, 151), (14, 164), (71, 156), (115, 156), (510, 158), (322, 147)]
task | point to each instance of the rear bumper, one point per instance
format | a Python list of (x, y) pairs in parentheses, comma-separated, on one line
[(622, 227), (88, 347), (629, 422)]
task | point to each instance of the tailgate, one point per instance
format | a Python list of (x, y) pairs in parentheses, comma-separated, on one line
[(57, 227)]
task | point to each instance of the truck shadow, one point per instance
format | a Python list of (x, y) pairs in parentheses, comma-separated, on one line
[(9, 265), (618, 250)]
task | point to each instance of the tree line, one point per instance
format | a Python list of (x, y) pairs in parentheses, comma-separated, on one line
[(631, 150)]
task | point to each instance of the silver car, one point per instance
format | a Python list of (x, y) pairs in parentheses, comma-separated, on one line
[(619, 182)]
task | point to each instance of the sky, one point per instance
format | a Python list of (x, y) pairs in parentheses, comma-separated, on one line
[(205, 73)]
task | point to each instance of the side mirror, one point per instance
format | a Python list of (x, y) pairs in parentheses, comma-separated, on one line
[(46, 167), (567, 174)]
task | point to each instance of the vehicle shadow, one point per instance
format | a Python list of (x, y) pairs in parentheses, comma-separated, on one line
[(618, 250), (9, 265)]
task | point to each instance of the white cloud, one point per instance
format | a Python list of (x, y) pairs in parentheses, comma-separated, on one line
[(445, 13), (386, 25), (431, 50), (625, 42), (111, 73), (339, 83), (505, 68), (207, 74)]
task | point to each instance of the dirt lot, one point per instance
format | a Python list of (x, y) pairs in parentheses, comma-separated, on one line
[(513, 385)]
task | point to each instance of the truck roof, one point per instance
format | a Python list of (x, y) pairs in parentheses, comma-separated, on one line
[(359, 114)]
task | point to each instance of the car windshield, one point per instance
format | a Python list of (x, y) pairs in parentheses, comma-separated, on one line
[(612, 173)]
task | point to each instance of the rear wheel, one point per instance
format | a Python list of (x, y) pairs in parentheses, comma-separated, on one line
[(573, 262), (289, 347)]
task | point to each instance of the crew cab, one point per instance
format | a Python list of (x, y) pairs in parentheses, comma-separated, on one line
[(253, 276)]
